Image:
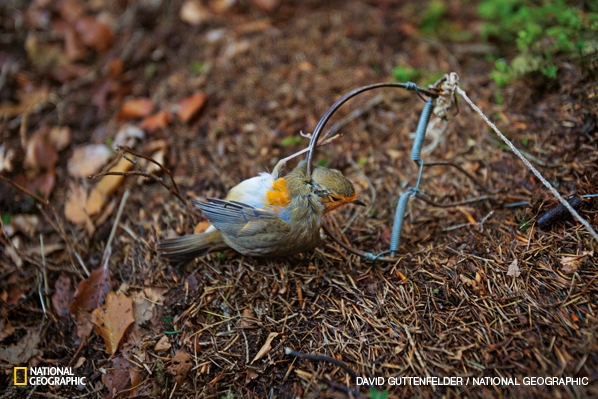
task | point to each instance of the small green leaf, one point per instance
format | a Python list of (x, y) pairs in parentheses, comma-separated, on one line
[(323, 163), (550, 71), (375, 394), (402, 74), (288, 141), (197, 67), (6, 218), (150, 71)]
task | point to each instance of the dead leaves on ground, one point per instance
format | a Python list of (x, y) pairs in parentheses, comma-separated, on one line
[(266, 347), (20, 353), (63, 295), (180, 365), (188, 107), (112, 320), (570, 263), (513, 270), (110, 314)]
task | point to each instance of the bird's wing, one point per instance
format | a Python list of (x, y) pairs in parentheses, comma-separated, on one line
[(241, 220)]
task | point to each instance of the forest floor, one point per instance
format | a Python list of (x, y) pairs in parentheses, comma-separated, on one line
[(219, 93)]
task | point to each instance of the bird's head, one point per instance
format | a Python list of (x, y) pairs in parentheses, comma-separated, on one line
[(333, 189)]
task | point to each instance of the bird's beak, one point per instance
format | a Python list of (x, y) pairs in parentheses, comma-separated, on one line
[(358, 202)]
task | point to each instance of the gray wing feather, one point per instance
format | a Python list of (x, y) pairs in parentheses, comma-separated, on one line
[(238, 219)]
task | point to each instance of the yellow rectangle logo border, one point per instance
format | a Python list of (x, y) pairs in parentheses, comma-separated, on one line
[(15, 375)]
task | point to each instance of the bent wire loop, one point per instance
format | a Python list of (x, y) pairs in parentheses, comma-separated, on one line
[(416, 149)]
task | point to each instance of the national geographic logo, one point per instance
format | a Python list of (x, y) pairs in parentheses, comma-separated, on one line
[(20, 375), (46, 376)]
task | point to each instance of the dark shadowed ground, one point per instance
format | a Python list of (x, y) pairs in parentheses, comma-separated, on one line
[(503, 298)]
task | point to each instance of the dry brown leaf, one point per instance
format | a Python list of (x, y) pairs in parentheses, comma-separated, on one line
[(156, 294), (19, 353), (106, 186), (43, 183), (513, 270), (135, 108), (14, 256), (144, 309), (194, 13), (83, 323), (45, 58), (157, 121), (74, 207), (136, 378), (570, 264), (127, 136), (247, 319), (88, 160), (80, 362), (26, 224), (221, 6), (96, 201), (6, 157), (40, 154), (163, 344), (466, 280), (180, 365), (112, 320), (63, 296), (70, 10), (60, 137), (28, 102), (117, 378), (251, 375), (90, 293), (47, 249), (94, 33), (188, 107), (266, 347), (73, 48), (266, 5), (6, 329)]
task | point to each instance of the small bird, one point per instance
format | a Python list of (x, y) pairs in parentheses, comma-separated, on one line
[(267, 215)]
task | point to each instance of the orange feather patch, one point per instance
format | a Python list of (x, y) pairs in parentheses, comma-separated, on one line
[(279, 195)]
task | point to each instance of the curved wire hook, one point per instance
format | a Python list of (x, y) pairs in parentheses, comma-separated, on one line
[(320, 126)]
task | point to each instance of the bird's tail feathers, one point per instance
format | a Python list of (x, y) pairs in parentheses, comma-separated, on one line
[(185, 248)]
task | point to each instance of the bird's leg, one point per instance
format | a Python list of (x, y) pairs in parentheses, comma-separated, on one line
[(281, 164)]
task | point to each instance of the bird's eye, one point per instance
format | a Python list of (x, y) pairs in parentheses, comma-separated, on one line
[(334, 199)]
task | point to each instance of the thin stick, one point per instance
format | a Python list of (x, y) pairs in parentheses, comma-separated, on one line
[(531, 167), (321, 358), (140, 155), (23, 189), (145, 174), (115, 225)]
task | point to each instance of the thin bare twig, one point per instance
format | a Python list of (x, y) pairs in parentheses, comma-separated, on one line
[(322, 358), (122, 153), (23, 189), (165, 170), (531, 167), (123, 201)]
